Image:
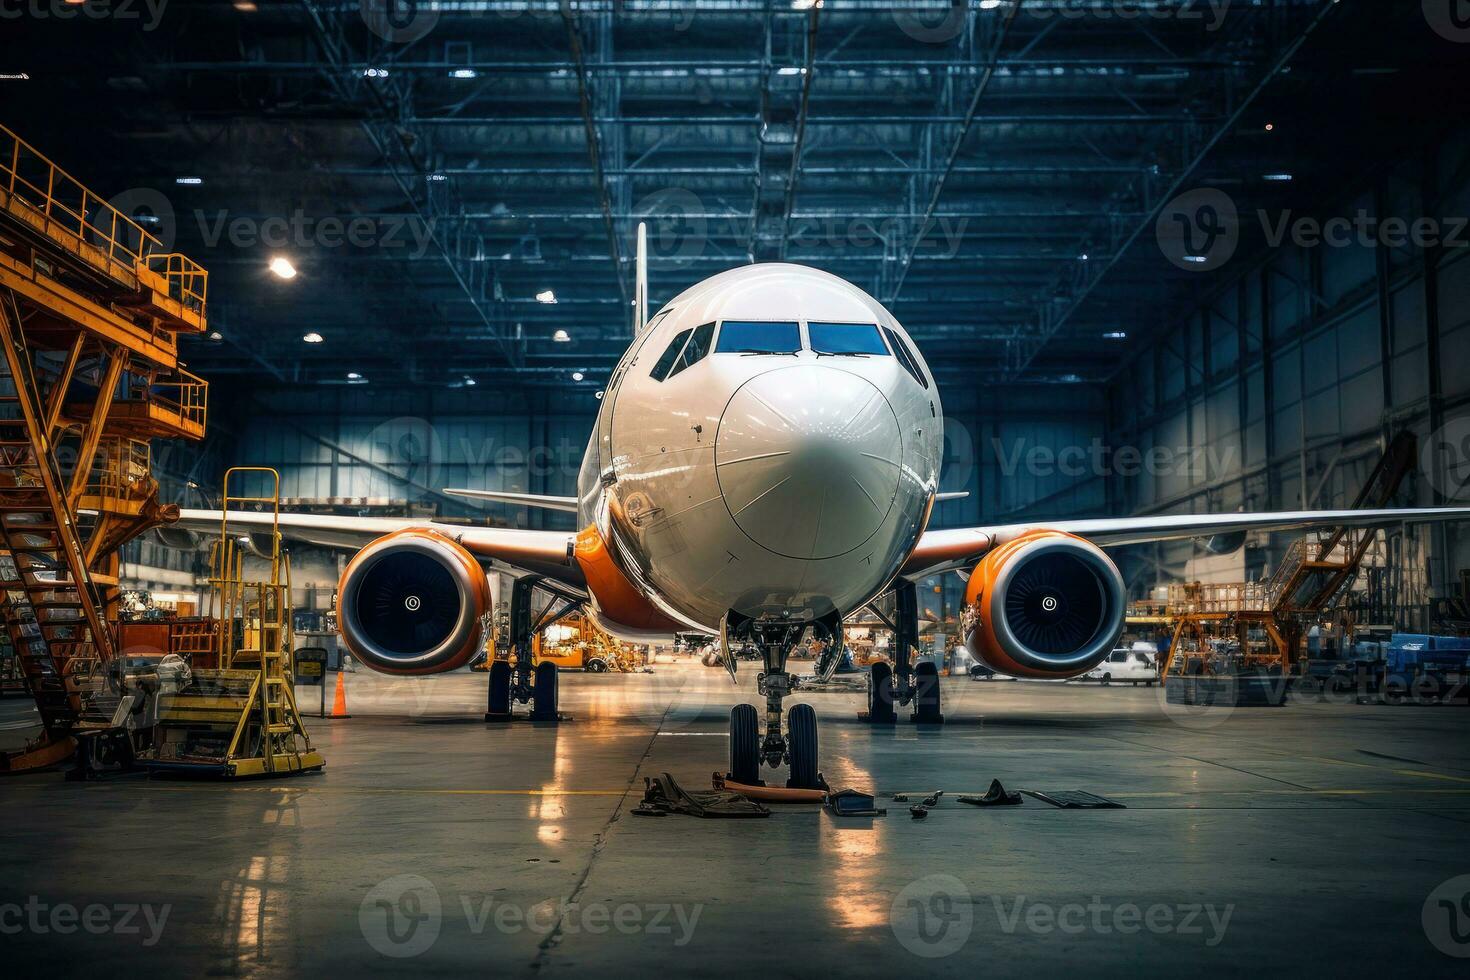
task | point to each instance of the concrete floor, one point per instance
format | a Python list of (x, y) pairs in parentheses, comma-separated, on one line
[(1308, 839)]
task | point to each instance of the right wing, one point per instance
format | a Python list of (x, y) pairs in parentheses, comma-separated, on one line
[(958, 548), (547, 553)]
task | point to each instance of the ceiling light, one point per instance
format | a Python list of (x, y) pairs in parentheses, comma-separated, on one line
[(437, 178), (1197, 259), (191, 181), (561, 337), (282, 267), (1071, 379), (312, 338), (805, 4), (1278, 178), (546, 296), (990, 4), (464, 73), (375, 73), (469, 382), (216, 335), (1116, 335), (790, 71), (578, 376), (245, 5), (1270, 127)]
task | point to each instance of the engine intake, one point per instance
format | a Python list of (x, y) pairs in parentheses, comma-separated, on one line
[(413, 602), (1047, 605)]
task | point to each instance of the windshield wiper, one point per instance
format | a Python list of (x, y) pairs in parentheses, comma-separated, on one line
[(842, 353), (748, 352)]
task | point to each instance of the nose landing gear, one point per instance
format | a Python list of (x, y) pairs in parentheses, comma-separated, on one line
[(748, 748)]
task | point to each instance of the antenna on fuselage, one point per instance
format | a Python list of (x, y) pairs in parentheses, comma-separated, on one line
[(640, 288)]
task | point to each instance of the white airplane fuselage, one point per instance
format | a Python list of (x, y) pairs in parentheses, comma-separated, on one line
[(784, 483)]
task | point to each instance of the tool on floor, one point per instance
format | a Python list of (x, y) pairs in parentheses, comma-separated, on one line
[(662, 795), (1075, 799), (997, 795), (853, 803), (770, 794), (918, 811)]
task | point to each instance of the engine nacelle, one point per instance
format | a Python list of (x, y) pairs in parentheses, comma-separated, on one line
[(1047, 605), (413, 602)]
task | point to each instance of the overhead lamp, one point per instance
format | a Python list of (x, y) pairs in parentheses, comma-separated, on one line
[(578, 376), (1278, 178), (189, 181), (1116, 335), (464, 73), (790, 70), (312, 338), (546, 296), (353, 376), (375, 73), (1197, 259), (282, 267), (1270, 127), (561, 337), (216, 335), (245, 6), (805, 4), (437, 178), (469, 382)]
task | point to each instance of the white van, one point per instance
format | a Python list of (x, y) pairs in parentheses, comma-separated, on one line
[(1133, 666)]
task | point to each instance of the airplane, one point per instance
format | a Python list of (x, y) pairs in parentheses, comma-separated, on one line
[(765, 461)]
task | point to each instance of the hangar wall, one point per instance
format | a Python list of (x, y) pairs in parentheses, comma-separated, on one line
[(1281, 389)]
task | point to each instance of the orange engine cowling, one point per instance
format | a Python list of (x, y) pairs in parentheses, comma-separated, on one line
[(413, 602), (1046, 605)]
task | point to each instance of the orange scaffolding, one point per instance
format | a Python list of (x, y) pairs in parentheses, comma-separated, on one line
[(91, 309)]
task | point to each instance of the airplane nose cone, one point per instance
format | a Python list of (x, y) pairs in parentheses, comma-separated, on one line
[(808, 460)]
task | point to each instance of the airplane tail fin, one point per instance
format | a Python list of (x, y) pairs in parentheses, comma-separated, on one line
[(640, 288)]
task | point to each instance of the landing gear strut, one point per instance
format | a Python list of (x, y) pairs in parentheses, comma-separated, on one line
[(904, 682), (516, 679), (748, 748)]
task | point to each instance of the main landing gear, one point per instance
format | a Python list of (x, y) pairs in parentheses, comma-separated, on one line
[(516, 680), (798, 746), (904, 682)]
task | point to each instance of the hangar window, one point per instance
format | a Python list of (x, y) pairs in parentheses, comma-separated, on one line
[(858, 339), (906, 357), (759, 337), (696, 349), (671, 352)]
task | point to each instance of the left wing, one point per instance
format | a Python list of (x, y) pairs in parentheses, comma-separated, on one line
[(957, 548), (547, 553)]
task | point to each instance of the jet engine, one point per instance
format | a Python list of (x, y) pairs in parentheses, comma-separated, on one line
[(413, 602), (1046, 605)]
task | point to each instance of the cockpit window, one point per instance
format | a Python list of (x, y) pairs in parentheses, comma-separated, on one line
[(845, 338), (906, 357), (696, 349), (670, 354), (759, 337)]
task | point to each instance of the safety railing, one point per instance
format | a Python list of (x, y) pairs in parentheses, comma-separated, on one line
[(43, 195), (175, 399), (122, 470)]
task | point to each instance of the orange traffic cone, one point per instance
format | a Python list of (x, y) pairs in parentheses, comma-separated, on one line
[(339, 704)]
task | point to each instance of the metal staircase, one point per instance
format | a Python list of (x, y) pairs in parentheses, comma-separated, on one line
[(53, 612)]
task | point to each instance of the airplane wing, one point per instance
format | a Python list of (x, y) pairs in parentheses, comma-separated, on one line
[(520, 499), (958, 548), (547, 553)]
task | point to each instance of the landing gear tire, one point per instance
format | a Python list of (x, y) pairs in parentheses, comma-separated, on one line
[(499, 702), (880, 694), (543, 691), (596, 666), (745, 745), (926, 694), (1107, 679), (801, 740)]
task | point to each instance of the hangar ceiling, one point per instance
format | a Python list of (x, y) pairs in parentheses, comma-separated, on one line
[(993, 170)]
